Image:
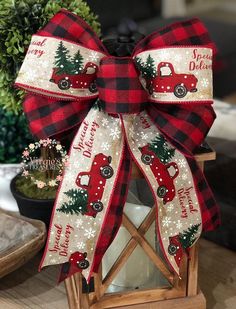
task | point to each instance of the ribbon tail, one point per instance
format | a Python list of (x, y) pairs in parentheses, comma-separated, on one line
[(113, 219), (83, 208), (178, 213), (187, 139)]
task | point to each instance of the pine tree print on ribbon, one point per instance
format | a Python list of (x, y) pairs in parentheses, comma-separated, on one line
[(65, 64), (77, 63), (148, 68), (187, 238), (161, 149), (77, 203), (62, 60)]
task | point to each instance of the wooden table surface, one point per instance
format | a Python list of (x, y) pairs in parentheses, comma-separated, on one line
[(26, 288)]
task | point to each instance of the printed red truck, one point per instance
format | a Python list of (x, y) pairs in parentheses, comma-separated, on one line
[(100, 171), (166, 189), (83, 80), (175, 249), (169, 81), (77, 261)]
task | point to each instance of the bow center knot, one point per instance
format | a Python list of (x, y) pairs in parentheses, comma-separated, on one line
[(119, 88)]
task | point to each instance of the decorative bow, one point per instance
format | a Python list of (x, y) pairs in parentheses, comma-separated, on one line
[(153, 108)]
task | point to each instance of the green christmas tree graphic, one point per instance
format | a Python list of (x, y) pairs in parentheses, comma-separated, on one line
[(188, 237), (63, 61), (147, 68), (77, 203), (65, 64), (160, 147), (77, 62)]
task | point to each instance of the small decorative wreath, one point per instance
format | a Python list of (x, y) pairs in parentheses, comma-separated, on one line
[(28, 160)]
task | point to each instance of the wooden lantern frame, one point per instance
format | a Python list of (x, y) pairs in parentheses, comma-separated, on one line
[(183, 293)]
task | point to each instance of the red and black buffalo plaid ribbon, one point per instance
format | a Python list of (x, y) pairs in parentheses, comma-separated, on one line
[(120, 91)]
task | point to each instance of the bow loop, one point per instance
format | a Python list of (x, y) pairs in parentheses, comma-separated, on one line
[(184, 33), (68, 26), (186, 126), (51, 117), (67, 70)]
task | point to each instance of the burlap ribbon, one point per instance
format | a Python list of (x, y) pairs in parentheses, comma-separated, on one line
[(153, 108)]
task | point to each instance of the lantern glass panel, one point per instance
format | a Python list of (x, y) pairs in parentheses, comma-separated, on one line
[(139, 271)]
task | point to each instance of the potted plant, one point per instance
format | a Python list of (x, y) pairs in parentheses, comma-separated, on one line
[(35, 187), (14, 137), (19, 20)]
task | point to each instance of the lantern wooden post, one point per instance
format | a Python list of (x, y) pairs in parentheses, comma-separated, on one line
[(183, 293)]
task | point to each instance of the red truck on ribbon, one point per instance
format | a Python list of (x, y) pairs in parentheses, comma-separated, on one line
[(78, 259), (77, 262), (83, 80), (167, 80), (175, 249), (99, 172), (166, 189)]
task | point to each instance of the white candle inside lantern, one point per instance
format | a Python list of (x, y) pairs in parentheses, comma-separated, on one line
[(138, 271)]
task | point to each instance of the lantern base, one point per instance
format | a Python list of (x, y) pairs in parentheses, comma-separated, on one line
[(190, 302)]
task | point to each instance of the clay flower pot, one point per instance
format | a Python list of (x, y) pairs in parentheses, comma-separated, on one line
[(39, 209)]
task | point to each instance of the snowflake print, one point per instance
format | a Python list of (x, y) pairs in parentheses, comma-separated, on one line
[(166, 221), (181, 162), (94, 56), (31, 75), (104, 122), (53, 261), (184, 176), (144, 136), (115, 133), (205, 82), (90, 233), (177, 57), (164, 54), (170, 207), (78, 222), (45, 64), (105, 146), (179, 225), (131, 132), (81, 245)]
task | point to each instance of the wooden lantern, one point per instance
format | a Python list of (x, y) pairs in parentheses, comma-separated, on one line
[(182, 293)]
